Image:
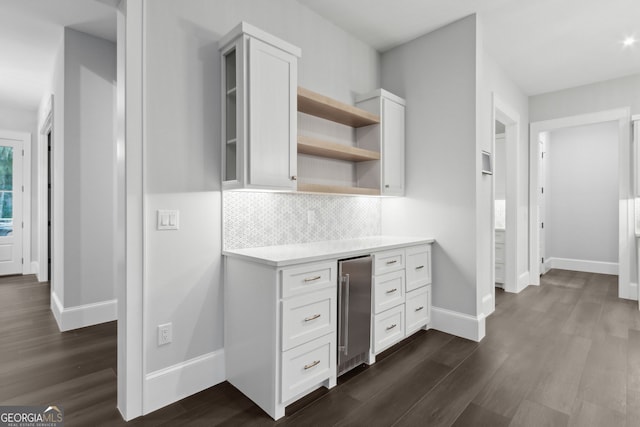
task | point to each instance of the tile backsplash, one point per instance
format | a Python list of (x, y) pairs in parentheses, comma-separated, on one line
[(255, 219)]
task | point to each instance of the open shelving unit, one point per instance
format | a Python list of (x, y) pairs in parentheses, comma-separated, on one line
[(321, 106), (318, 105), (332, 150)]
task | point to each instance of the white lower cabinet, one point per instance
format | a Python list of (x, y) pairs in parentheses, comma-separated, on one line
[(418, 309), (402, 297), (280, 330), (281, 322), (388, 328), (307, 365)]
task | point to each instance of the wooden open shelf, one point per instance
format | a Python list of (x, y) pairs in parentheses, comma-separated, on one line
[(337, 189), (327, 108), (332, 150)]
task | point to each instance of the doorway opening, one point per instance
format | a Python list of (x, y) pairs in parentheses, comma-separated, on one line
[(506, 133), (541, 203)]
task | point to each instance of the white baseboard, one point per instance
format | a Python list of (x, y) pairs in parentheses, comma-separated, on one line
[(176, 382), (583, 265), (631, 292), (523, 281), (459, 324), (35, 269), (487, 305), (69, 318), (56, 309)]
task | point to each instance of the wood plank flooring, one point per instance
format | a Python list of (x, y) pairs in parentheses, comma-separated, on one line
[(566, 353)]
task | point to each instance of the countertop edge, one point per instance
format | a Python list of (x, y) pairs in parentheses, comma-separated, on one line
[(338, 254)]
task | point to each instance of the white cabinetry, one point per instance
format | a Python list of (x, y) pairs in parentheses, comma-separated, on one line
[(388, 138), (280, 330), (259, 104), (499, 260), (402, 295)]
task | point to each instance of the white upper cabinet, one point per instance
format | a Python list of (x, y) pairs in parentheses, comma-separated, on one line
[(388, 138), (259, 105)]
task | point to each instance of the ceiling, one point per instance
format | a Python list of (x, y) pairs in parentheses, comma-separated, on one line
[(543, 45), (30, 34)]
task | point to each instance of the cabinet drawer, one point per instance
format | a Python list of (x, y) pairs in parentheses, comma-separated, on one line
[(500, 253), (499, 236), (308, 278), (385, 262), (418, 309), (307, 365), (499, 273), (418, 266), (388, 290), (388, 328), (307, 317)]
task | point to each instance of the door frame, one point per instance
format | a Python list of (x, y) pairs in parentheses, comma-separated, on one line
[(626, 237), (507, 115), (25, 138), (43, 201)]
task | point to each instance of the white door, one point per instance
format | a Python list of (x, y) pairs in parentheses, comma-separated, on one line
[(11, 145), (541, 206)]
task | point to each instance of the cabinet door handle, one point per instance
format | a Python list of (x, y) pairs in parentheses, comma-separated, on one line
[(312, 364), (294, 178), (420, 267), (386, 186), (419, 308), (392, 262), (309, 319), (390, 291), (391, 327), (312, 279)]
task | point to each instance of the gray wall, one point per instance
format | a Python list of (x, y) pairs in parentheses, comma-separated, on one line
[(607, 95), (436, 73), (581, 188), (21, 120), (89, 169), (182, 140)]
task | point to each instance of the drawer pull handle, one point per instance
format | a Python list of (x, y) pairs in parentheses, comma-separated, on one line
[(390, 291), (312, 279), (420, 267), (420, 308), (391, 327), (311, 365), (392, 262), (314, 317)]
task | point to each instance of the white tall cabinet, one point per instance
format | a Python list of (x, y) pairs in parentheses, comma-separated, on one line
[(259, 104), (388, 138)]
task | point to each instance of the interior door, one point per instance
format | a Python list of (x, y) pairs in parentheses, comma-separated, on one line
[(10, 204), (541, 206)]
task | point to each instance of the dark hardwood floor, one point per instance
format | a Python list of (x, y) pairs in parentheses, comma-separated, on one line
[(566, 353)]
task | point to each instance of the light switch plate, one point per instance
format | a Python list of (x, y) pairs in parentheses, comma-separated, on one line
[(168, 219)]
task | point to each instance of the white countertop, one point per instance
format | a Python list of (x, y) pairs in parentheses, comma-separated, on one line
[(283, 255)]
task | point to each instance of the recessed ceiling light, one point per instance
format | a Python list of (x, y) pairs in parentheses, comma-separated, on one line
[(629, 41)]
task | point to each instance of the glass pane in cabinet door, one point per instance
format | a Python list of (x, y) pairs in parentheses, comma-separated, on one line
[(6, 191), (231, 119)]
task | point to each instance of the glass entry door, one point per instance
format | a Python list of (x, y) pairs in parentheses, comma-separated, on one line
[(10, 204)]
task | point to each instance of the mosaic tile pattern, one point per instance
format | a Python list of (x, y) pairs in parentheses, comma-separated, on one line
[(266, 219)]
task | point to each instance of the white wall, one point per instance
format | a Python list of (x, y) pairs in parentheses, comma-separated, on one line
[(436, 74), (182, 157), (24, 120), (606, 95), (89, 168), (581, 189), (83, 84)]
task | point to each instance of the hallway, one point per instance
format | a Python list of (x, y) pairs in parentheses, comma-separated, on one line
[(566, 353)]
